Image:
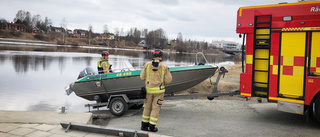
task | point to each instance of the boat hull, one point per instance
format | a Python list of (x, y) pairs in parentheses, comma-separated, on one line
[(129, 83)]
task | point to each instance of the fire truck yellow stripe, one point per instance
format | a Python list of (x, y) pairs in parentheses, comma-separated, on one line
[(287, 100), (301, 29), (277, 5), (245, 94), (275, 69), (249, 59)]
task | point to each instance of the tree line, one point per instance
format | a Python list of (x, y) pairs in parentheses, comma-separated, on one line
[(154, 38)]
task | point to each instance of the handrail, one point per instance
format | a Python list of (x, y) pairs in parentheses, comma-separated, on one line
[(202, 56)]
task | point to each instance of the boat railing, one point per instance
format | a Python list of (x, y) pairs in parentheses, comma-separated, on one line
[(123, 69), (125, 64), (197, 61)]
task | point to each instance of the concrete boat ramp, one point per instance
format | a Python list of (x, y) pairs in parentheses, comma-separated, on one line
[(40, 124)]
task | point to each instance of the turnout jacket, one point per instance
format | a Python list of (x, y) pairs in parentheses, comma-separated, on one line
[(155, 76)]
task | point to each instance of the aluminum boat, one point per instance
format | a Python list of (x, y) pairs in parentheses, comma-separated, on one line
[(91, 86)]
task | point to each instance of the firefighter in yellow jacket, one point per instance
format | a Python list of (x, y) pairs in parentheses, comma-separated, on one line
[(156, 75), (103, 64)]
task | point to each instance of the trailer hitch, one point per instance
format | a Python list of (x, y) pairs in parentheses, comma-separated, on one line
[(222, 72)]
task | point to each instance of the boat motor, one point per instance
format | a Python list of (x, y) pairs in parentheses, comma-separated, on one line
[(69, 89), (87, 71)]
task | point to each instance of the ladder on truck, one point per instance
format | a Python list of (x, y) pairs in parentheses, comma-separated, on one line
[(261, 56)]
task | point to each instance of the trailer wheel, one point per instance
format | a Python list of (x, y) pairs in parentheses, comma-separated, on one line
[(118, 106), (317, 107)]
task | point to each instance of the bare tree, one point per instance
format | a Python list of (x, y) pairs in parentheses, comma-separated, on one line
[(46, 24), (180, 37), (144, 33), (122, 32), (136, 35), (20, 16), (180, 45), (90, 31), (117, 33), (36, 21), (23, 17), (2, 22), (105, 29), (64, 26)]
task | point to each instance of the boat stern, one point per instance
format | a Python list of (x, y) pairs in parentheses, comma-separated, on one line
[(69, 89)]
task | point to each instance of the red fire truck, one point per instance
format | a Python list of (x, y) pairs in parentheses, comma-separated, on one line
[(282, 60)]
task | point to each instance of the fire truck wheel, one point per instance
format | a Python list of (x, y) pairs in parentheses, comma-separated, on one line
[(317, 107)]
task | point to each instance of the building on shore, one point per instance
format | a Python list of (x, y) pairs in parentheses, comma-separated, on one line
[(15, 27), (226, 45)]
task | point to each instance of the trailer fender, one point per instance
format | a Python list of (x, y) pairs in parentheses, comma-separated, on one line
[(124, 96)]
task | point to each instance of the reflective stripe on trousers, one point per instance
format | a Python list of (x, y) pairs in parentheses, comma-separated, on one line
[(152, 106)]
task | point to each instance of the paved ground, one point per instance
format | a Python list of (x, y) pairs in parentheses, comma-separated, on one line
[(41, 130), (203, 118), (206, 118), (45, 124), (44, 117)]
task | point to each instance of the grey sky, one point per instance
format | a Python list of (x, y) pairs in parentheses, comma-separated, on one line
[(195, 19)]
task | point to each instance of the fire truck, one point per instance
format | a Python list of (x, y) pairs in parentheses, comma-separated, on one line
[(282, 59)]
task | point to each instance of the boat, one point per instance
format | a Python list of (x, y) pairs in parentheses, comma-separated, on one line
[(90, 85), (127, 83)]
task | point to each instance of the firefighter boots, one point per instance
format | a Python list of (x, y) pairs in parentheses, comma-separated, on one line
[(144, 126), (153, 128)]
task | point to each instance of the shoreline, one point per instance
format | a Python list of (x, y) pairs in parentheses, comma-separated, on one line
[(47, 44)]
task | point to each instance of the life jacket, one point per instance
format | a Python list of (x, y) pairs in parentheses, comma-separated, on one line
[(100, 68)]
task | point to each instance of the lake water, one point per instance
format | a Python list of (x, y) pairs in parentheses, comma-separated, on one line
[(35, 80)]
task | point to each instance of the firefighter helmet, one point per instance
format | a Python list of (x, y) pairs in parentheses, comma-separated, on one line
[(157, 53), (105, 53)]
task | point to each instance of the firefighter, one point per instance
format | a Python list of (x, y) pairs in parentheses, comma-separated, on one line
[(156, 75), (103, 64)]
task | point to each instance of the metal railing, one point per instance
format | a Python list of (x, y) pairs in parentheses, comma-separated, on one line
[(202, 56)]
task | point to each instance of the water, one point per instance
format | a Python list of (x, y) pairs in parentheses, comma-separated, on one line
[(35, 80)]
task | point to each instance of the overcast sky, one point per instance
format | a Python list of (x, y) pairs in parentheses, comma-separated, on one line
[(196, 19)]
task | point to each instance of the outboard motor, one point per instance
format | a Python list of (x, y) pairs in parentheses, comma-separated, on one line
[(69, 89), (87, 71)]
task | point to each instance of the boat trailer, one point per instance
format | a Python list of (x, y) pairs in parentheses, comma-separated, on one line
[(118, 104), (123, 104)]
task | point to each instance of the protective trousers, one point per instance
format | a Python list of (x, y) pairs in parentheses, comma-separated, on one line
[(152, 106)]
